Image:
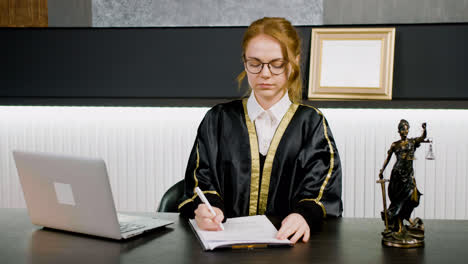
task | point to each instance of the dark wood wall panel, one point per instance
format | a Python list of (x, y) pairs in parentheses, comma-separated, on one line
[(23, 13), (142, 65)]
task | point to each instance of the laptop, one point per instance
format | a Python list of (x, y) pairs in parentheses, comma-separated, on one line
[(74, 194)]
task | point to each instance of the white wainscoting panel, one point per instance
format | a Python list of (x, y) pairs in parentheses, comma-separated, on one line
[(364, 136), (146, 150)]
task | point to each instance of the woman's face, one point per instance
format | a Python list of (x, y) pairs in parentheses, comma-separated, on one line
[(265, 84)]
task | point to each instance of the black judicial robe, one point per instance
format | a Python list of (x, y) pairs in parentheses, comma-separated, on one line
[(301, 172)]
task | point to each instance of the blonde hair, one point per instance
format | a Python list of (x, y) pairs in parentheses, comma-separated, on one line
[(281, 30)]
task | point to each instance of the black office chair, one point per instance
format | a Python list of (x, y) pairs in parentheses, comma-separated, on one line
[(169, 201)]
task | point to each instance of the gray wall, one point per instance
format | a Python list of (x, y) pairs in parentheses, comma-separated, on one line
[(175, 13), (394, 11), (130, 13), (69, 13)]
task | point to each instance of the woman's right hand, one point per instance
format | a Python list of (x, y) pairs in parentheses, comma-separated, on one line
[(206, 220)]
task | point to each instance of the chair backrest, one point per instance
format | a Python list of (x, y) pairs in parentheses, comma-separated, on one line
[(169, 201)]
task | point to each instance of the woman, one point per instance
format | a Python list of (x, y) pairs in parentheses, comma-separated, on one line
[(266, 154), (402, 191)]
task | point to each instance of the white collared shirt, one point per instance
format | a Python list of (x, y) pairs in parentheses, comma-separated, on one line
[(266, 121)]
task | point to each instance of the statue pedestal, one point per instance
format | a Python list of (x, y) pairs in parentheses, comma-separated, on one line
[(410, 236)]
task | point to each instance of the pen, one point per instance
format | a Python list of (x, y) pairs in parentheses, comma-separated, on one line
[(205, 201), (252, 246)]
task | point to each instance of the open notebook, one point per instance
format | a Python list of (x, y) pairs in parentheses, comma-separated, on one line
[(240, 232)]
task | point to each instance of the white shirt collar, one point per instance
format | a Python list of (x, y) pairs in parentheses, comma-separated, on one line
[(277, 110)]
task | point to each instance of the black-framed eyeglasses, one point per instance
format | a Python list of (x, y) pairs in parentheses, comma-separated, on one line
[(276, 66)]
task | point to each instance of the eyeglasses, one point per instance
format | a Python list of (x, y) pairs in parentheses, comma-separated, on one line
[(276, 67)]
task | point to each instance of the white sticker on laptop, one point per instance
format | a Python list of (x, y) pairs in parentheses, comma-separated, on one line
[(64, 193)]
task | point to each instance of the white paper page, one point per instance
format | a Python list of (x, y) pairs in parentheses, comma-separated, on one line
[(248, 229)]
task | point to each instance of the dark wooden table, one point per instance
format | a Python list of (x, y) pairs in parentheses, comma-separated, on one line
[(345, 240)]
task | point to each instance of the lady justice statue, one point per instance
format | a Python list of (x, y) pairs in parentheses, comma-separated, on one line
[(403, 193)]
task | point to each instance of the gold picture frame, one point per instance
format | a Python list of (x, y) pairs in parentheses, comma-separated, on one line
[(351, 63)]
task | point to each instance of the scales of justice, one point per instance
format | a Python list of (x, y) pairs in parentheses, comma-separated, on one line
[(403, 192)]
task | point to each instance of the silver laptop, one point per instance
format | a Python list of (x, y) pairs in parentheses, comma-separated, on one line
[(74, 194)]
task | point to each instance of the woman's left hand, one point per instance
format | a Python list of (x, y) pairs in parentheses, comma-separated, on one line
[(294, 224)]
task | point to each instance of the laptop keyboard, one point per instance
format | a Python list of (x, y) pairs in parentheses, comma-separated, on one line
[(127, 227)]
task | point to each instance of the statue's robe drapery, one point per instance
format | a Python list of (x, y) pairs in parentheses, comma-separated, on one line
[(402, 191)]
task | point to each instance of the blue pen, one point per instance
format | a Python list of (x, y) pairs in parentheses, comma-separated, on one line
[(205, 201)]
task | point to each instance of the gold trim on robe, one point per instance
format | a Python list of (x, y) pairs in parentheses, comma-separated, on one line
[(195, 170), (254, 154), (196, 184), (266, 174), (195, 196), (330, 170)]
